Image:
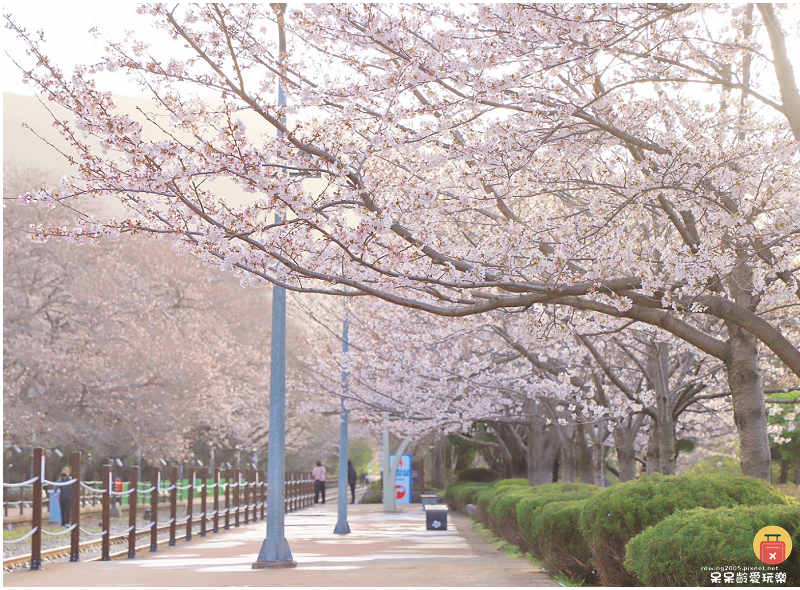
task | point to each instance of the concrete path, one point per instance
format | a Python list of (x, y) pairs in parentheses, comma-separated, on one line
[(381, 550)]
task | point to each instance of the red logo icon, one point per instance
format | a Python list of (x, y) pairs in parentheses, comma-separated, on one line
[(772, 545), (400, 492), (773, 552)]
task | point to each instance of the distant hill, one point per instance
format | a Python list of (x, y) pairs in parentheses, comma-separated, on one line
[(22, 147)]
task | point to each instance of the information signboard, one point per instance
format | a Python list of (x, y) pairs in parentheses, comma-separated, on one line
[(402, 482)]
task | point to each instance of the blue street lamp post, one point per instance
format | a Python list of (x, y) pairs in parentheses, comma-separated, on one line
[(275, 550), (342, 527)]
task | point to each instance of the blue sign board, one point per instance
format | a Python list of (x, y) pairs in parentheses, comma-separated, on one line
[(402, 482)]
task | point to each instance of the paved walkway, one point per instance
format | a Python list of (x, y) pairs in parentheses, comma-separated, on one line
[(381, 550)]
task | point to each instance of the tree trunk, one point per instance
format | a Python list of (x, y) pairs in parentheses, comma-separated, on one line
[(652, 463), (658, 367), (744, 377), (599, 463), (667, 457), (583, 455), (515, 451), (749, 411), (512, 451), (550, 458), (569, 469), (625, 444), (626, 456), (543, 449), (784, 476), (438, 479)]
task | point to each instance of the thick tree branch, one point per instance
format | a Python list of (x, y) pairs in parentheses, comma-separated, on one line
[(783, 69)]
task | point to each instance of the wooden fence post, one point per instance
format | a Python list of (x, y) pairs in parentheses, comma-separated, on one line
[(237, 475), (155, 481), (299, 479), (75, 509), (289, 491), (203, 500), (133, 501), (227, 499), (36, 540), (300, 488), (254, 493), (258, 488), (286, 505), (216, 499), (246, 496), (263, 488), (106, 518), (173, 506), (190, 505)]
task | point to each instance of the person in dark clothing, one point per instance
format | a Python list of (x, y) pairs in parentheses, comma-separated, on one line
[(65, 497), (351, 479)]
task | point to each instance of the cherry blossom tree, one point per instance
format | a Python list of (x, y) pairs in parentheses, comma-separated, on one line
[(636, 161), (118, 350), (535, 395)]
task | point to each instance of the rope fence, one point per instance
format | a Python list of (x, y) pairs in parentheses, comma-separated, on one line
[(59, 533), (229, 498)]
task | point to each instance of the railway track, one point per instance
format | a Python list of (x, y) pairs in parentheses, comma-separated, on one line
[(90, 550)]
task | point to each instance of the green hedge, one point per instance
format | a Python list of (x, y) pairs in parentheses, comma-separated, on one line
[(552, 492), (674, 551), (553, 529), (614, 516), (502, 511), (511, 483), (500, 492), (459, 495)]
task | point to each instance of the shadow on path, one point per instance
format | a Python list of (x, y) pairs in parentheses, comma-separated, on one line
[(382, 550)]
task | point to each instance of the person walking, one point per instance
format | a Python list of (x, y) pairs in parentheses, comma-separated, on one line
[(65, 497), (318, 473), (351, 479)]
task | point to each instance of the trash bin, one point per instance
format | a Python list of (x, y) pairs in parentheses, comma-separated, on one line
[(428, 499), (54, 507), (436, 517)]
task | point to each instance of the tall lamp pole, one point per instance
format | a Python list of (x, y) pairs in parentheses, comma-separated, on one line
[(275, 550), (342, 527)]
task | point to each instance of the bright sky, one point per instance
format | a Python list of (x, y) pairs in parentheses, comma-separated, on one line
[(66, 26)]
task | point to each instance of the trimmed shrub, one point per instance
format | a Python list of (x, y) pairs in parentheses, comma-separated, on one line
[(552, 492), (502, 511), (488, 499), (459, 495), (485, 497), (478, 474), (672, 552), (511, 483), (554, 527), (373, 494), (614, 516)]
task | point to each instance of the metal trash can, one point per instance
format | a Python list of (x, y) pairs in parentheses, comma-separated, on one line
[(436, 517), (428, 499)]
